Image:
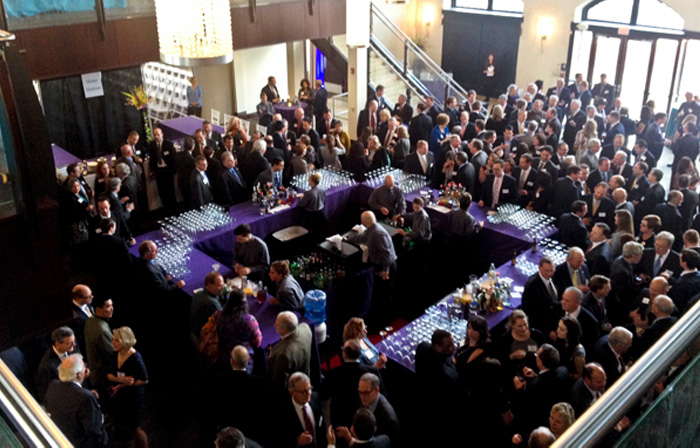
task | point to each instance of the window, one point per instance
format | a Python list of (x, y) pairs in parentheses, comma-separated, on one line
[(645, 13), (508, 6)]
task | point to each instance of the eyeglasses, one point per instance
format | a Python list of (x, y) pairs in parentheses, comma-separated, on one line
[(365, 392)]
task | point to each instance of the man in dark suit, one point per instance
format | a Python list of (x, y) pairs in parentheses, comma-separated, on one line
[(499, 188), (600, 207), (526, 178), (638, 184), (598, 255), (585, 95), (478, 156), (466, 175), (609, 351), (184, 161), (153, 277), (299, 420), (200, 185), (105, 210), (566, 192), (614, 130), (362, 432), (538, 392), (421, 161), (369, 117), (620, 166), (572, 230), (128, 191), (254, 164), (114, 258), (271, 91), (624, 287), (272, 175), (434, 366), (571, 306), (231, 189), (573, 87), (162, 164), (618, 144), (340, 386), (431, 109), (686, 146), (81, 305), (421, 126), (75, 172), (540, 295), (311, 132), (688, 284), (598, 289), (74, 409), (210, 134), (573, 272), (653, 196), (403, 111), (544, 163), (654, 135), (574, 123), (619, 197), (661, 307), (562, 92), (604, 90), (320, 101), (372, 399), (236, 385), (588, 388), (671, 218), (691, 200), (63, 340)]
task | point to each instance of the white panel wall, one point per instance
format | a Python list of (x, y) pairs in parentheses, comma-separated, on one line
[(251, 68)]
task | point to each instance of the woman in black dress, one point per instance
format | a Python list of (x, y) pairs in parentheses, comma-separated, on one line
[(77, 210), (128, 374)]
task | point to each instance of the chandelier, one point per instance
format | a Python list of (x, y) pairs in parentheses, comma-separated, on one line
[(194, 32)]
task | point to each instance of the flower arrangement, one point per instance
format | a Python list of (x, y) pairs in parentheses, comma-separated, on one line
[(137, 98)]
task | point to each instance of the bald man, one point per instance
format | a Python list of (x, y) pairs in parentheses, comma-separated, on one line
[(661, 307), (388, 201), (81, 297), (588, 388)]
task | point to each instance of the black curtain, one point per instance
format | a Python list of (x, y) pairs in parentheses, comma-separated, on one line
[(467, 41), (89, 127)]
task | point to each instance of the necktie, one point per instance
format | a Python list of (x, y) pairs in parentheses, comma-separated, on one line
[(277, 180), (551, 290), (372, 122), (657, 265), (574, 279), (521, 184), (205, 177), (634, 184), (496, 190), (541, 166), (308, 423), (602, 308), (621, 363), (235, 175), (596, 202)]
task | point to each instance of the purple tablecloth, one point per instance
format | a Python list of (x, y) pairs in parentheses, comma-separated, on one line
[(184, 127), (61, 157), (287, 112), (507, 270)]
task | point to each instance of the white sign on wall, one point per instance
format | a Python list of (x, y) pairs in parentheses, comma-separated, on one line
[(92, 84)]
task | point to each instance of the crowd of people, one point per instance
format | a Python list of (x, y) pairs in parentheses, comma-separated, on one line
[(631, 270)]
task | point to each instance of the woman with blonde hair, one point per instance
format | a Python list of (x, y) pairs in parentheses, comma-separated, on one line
[(496, 121), (128, 374), (356, 329), (377, 154), (402, 147), (235, 128), (589, 131)]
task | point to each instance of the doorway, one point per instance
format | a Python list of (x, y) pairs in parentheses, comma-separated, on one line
[(642, 67)]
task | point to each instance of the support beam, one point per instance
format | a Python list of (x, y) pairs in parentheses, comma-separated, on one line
[(357, 85)]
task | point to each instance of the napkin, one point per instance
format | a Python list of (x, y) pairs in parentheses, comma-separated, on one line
[(337, 240), (359, 228)]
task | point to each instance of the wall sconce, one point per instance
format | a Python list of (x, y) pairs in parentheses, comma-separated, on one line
[(428, 16), (545, 27)]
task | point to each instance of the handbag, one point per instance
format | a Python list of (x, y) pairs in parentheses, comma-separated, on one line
[(209, 343)]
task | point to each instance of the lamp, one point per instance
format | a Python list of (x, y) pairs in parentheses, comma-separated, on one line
[(428, 16), (545, 27), (357, 23), (194, 32)]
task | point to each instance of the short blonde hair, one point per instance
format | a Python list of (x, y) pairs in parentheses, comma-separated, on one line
[(353, 329), (384, 113), (442, 119), (316, 178), (125, 336), (564, 409), (375, 139)]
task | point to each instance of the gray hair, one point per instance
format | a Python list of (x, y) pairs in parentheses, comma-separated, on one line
[(620, 336), (623, 154), (226, 155), (577, 102), (60, 333), (123, 168), (295, 378), (553, 97), (289, 321), (114, 183), (259, 146), (371, 378), (503, 96), (664, 303), (71, 367), (577, 293), (632, 248), (589, 107), (592, 142), (667, 236)]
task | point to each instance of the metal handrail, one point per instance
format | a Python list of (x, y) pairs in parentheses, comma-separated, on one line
[(606, 412), (410, 44), (333, 105), (410, 80), (26, 414)]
